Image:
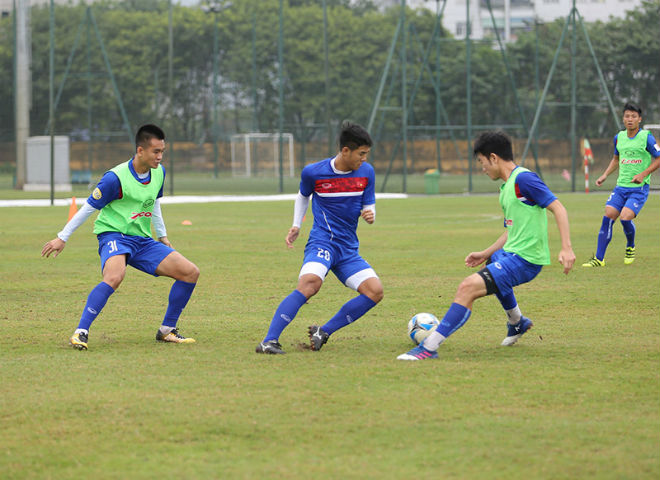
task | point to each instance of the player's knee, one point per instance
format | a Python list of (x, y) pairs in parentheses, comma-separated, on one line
[(309, 285), (467, 290), (113, 279), (376, 294), (191, 273)]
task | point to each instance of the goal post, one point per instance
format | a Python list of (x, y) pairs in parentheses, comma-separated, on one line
[(257, 154)]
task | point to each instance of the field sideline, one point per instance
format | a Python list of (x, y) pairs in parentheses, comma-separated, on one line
[(577, 397)]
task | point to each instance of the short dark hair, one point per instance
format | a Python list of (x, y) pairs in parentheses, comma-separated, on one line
[(353, 136), (495, 142), (633, 107), (145, 133)]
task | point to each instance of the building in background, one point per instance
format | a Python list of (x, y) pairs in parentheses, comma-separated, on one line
[(513, 16)]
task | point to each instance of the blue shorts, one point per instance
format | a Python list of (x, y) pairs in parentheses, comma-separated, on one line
[(509, 270), (632, 197), (346, 263), (143, 253)]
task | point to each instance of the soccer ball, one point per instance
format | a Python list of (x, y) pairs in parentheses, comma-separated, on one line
[(420, 326)]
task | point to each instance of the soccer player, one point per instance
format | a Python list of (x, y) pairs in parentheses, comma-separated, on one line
[(343, 190), (636, 155), (128, 199), (516, 257)]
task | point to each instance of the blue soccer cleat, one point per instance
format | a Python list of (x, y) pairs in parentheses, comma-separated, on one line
[(514, 332), (418, 353)]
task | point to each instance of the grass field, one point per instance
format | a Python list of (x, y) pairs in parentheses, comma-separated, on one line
[(576, 398)]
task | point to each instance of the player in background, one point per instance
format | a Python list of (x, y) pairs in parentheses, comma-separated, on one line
[(343, 190), (128, 199), (636, 155), (516, 257)]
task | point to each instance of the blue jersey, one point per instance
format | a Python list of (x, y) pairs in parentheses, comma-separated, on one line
[(338, 200), (110, 187), (531, 190), (651, 145)]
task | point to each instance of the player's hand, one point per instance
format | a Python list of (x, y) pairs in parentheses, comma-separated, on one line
[(165, 241), (639, 178), (55, 246), (600, 180), (291, 236), (474, 259), (567, 259), (368, 216)]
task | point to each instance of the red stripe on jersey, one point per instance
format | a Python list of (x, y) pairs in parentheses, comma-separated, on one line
[(341, 185), (519, 195)]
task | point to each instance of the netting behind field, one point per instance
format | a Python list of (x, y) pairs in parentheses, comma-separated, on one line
[(258, 154)]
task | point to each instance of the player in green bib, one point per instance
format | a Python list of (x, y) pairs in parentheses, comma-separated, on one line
[(516, 257), (636, 155), (128, 197)]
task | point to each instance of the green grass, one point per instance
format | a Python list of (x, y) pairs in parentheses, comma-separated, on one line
[(576, 398), (196, 183)]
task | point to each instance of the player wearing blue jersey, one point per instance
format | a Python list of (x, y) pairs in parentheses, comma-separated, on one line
[(636, 156), (128, 199), (343, 190), (516, 257)]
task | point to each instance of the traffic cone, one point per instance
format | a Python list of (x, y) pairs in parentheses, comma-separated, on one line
[(73, 209)]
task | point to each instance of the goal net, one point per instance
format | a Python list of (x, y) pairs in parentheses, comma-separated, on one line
[(257, 154)]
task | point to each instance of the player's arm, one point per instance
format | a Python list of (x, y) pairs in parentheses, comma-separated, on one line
[(107, 190), (56, 245), (653, 148), (613, 165), (159, 224), (566, 255), (299, 210), (369, 213), (474, 259)]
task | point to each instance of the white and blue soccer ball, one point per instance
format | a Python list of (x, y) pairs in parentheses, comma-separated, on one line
[(420, 326)]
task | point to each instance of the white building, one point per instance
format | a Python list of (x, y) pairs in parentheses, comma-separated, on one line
[(515, 15)]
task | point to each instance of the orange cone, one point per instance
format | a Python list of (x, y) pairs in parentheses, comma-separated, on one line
[(73, 209)]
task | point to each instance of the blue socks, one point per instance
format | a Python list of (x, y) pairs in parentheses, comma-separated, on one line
[(348, 313), (96, 300), (286, 312), (629, 230), (604, 237), (179, 295), (454, 319), (288, 309)]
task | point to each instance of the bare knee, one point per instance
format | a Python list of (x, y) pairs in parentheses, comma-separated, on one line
[(373, 289), (309, 285), (191, 273), (114, 279)]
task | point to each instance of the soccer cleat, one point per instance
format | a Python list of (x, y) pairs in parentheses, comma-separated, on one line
[(317, 337), (594, 262), (173, 337), (418, 353), (630, 255), (79, 341), (271, 347), (514, 332)]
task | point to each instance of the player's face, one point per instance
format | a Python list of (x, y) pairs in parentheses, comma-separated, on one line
[(151, 156), (489, 166), (354, 159), (631, 120)]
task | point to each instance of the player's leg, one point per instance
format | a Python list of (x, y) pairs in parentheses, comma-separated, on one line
[(471, 288), (629, 212), (354, 272), (113, 252), (308, 285), (185, 274), (613, 207), (317, 262)]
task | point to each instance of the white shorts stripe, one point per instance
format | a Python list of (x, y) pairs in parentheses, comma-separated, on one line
[(356, 279), (314, 268)]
